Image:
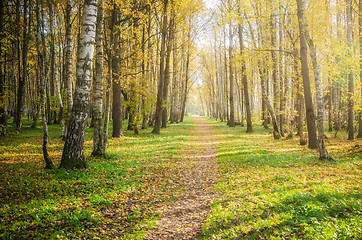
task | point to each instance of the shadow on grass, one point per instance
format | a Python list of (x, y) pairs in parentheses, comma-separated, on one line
[(277, 189), (300, 215), (110, 194)]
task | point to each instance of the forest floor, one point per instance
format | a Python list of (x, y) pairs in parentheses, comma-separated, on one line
[(198, 171), (196, 180), (277, 189)]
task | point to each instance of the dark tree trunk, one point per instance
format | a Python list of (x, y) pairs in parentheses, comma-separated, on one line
[(312, 134), (158, 113), (116, 68), (299, 103), (323, 153), (167, 66), (24, 75), (3, 90), (184, 95), (16, 62), (249, 126)]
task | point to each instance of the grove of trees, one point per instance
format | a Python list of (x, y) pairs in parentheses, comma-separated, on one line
[(294, 64), (290, 63), (68, 61)]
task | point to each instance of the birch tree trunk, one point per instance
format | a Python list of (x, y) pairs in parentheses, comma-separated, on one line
[(323, 153), (40, 40), (225, 81), (360, 67), (73, 153), (59, 95), (98, 148), (175, 89), (133, 105), (143, 78), (68, 60), (184, 94), (249, 126), (312, 134), (276, 83), (350, 73), (108, 97), (52, 71), (231, 78), (282, 80), (269, 107)]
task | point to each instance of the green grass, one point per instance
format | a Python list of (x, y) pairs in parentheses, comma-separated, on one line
[(114, 196), (270, 189), (277, 189)]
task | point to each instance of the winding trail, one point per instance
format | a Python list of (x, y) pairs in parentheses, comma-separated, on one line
[(183, 218)]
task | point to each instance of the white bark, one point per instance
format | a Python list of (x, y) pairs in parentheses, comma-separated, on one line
[(98, 86), (350, 73), (59, 95), (73, 153), (270, 109), (69, 60)]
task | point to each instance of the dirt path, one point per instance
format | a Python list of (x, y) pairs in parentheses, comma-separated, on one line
[(198, 169)]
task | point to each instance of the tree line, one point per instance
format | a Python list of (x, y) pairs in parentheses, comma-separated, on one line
[(264, 57), (63, 61)]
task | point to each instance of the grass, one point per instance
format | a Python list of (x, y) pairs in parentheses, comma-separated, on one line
[(113, 197), (270, 189), (277, 189)]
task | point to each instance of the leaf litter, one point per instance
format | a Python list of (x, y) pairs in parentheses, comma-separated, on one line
[(198, 171)]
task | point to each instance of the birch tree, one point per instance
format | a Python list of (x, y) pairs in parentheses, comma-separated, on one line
[(231, 78), (73, 153), (68, 58), (360, 66), (249, 126), (350, 73), (323, 153), (98, 148), (310, 116), (41, 51)]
